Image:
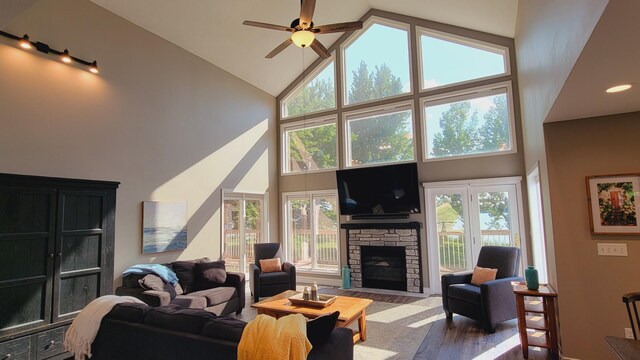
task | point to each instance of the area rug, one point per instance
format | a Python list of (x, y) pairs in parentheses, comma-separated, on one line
[(394, 331)]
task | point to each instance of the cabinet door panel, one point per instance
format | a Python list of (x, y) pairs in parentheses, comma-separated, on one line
[(80, 252), (21, 305), (80, 261), (27, 230), (76, 292)]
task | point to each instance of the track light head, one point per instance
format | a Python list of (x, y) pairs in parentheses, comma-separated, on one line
[(94, 67), (65, 57), (25, 43)]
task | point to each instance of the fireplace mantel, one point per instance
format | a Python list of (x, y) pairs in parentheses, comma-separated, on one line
[(406, 234)]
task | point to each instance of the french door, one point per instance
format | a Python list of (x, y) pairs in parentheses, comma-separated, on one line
[(243, 219), (464, 216)]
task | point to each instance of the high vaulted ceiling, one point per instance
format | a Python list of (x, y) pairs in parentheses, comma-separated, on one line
[(213, 30)]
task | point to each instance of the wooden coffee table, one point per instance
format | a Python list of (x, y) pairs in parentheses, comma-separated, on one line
[(350, 308)]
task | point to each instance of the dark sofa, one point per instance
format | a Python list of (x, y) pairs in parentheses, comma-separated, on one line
[(137, 331), (193, 292)]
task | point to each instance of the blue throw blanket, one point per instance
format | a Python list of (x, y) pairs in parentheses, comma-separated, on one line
[(162, 271)]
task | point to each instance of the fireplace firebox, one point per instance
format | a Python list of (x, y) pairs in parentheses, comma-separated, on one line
[(384, 267)]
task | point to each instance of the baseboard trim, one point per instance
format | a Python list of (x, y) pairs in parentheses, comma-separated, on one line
[(309, 279)]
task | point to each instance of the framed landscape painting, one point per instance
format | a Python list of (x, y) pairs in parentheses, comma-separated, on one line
[(613, 204), (164, 226)]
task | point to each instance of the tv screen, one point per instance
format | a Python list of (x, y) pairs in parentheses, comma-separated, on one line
[(379, 191)]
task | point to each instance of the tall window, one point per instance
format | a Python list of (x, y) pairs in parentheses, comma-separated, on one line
[(316, 95), (376, 63), (471, 123), (243, 219), (310, 146), (380, 135), (312, 230)]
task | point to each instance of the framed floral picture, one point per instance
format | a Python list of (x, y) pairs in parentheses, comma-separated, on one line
[(614, 204)]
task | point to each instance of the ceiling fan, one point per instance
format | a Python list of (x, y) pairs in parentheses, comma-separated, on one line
[(303, 32)]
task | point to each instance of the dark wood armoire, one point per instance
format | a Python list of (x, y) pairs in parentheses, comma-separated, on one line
[(56, 255)]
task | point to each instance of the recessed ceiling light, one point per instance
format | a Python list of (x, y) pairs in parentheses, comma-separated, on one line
[(618, 88)]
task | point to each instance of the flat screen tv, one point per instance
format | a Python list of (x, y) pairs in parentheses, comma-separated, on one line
[(379, 191)]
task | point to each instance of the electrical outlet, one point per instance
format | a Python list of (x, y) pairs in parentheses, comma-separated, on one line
[(609, 249), (628, 333)]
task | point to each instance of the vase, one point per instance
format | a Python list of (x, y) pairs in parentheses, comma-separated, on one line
[(531, 275), (346, 277)]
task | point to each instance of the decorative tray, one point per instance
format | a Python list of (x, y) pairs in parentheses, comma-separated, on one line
[(325, 300)]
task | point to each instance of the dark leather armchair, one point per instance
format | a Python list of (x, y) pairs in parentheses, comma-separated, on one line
[(493, 301), (271, 283)]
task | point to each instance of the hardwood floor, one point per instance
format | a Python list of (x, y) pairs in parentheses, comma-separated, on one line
[(458, 339)]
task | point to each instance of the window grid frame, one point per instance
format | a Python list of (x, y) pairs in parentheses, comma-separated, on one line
[(371, 21), (462, 95), (312, 75), (309, 196), (464, 41), (300, 125), (373, 111)]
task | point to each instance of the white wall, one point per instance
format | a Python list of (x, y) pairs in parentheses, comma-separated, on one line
[(166, 124)]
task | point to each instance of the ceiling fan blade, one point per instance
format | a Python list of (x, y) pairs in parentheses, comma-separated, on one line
[(267, 26), (279, 48), (307, 7), (338, 27), (320, 49)]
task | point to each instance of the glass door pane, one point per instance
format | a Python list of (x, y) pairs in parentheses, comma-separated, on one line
[(495, 216), (231, 243), (300, 232), (452, 229), (252, 229), (326, 226)]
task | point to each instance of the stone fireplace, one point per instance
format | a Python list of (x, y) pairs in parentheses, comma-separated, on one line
[(379, 269)]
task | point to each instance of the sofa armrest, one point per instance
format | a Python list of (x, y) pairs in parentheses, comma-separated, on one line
[(291, 270), (150, 297), (237, 280), (498, 299), (254, 281), (463, 277)]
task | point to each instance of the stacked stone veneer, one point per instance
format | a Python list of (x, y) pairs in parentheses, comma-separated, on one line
[(407, 238)]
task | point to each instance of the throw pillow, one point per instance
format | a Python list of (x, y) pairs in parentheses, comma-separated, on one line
[(482, 275), (210, 274), (184, 269), (154, 282), (132, 312), (320, 328), (270, 265)]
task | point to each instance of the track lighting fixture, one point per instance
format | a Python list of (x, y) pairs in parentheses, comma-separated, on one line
[(25, 43)]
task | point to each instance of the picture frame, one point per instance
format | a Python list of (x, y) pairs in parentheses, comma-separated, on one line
[(164, 226), (614, 204)]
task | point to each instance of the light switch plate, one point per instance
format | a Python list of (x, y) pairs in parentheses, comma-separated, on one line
[(610, 249)]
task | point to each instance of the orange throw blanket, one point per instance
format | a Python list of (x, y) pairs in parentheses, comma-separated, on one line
[(268, 338)]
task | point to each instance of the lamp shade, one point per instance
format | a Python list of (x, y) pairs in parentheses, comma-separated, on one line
[(302, 38)]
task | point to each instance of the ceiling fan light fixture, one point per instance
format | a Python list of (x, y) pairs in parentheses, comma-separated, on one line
[(302, 38)]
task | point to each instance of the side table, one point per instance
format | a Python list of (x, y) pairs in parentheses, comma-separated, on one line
[(537, 318)]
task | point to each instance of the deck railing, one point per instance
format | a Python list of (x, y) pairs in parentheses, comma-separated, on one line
[(452, 247), (326, 247)]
